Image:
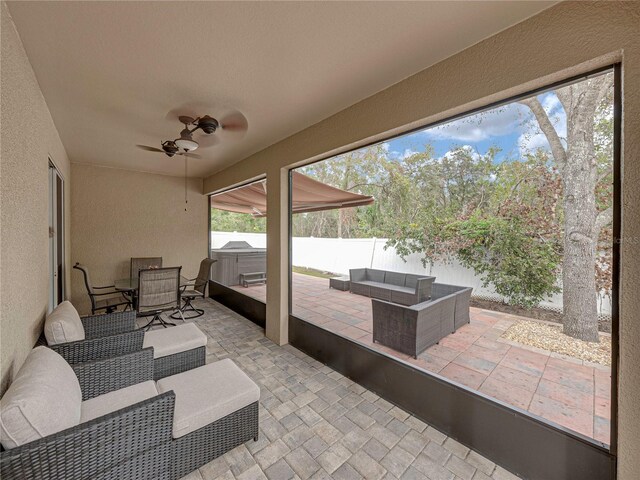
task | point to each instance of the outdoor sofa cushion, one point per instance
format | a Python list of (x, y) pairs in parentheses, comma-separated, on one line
[(207, 394), (44, 398), (63, 325), (167, 341), (110, 402)]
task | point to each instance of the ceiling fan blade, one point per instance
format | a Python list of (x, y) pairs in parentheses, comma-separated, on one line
[(150, 149), (189, 109), (206, 141), (234, 122)]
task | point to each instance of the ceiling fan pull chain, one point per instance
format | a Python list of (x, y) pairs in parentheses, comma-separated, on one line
[(186, 201)]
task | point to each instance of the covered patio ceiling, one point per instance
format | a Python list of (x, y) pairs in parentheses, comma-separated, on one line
[(307, 195), (111, 71)]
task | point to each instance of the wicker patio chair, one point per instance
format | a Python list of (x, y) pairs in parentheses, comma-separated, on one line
[(143, 263), (102, 298), (115, 334), (194, 289), (158, 292), (153, 442), (412, 329), (130, 443)]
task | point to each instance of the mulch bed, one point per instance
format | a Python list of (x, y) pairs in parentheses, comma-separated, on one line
[(550, 337)]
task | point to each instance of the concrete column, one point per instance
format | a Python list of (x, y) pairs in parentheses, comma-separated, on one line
[(278, 255)]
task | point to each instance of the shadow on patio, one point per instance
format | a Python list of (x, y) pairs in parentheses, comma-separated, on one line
[(558, 388)]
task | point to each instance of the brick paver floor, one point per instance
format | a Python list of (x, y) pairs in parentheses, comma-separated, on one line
[(317, 424), (560, 389)]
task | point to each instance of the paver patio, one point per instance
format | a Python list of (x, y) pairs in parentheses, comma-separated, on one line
[(317, 424), (560, 389)]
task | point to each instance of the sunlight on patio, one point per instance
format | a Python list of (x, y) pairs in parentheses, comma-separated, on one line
[(567, 391)]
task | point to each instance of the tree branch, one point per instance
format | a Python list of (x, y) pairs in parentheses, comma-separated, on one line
[(604, 218), (557, 149), (605, 174)]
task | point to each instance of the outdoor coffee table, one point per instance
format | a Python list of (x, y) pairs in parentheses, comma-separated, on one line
[(340, 283)]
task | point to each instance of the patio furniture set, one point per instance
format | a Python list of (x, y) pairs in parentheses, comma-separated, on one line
[(410, 312), (105, 400), (151, 289)]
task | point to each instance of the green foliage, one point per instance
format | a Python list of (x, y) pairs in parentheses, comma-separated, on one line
[(520, 266), (222, 221)]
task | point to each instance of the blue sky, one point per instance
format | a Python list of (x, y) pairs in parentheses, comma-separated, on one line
[(510, 127)]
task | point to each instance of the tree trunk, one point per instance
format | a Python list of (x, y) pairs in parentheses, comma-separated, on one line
[(578, 168), (579, 294), (579, 174)]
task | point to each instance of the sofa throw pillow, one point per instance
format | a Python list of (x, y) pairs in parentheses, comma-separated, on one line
[(44, 399), (63, 325)]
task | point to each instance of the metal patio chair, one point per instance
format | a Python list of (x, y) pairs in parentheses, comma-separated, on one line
[(194, 290), (158, 292), (102, 298), (143, 263)]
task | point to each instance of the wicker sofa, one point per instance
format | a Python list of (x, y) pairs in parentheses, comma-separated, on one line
[(78, 340), (414, 328), (113, 421), (396, 287)]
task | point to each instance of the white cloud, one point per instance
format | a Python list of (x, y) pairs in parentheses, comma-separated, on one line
[(482, 126), (408, 152), (472, 151)]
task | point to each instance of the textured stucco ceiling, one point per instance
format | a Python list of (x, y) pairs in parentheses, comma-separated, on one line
[(111, 71)]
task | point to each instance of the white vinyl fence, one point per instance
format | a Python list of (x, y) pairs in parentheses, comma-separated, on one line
[(338, 255)]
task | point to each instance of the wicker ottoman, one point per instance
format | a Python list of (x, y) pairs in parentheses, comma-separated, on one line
[(176, 349), (216, 410)]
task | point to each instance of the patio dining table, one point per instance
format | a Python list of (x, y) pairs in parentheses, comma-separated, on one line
[(130, 285)]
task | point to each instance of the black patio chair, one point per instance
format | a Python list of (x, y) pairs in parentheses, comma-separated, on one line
[(143, 263), (102, 298), (158, 292), (197, 289)]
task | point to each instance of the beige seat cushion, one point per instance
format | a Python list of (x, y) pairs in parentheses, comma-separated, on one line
[(207, 394), (112, 401), (167, 341), (63, 325), (43, 399)]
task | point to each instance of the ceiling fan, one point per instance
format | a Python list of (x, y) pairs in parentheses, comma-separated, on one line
[(185, 144)]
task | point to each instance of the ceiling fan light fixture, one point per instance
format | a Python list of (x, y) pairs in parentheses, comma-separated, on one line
[(186, 141)]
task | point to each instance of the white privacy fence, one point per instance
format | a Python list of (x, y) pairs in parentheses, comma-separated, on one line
[(338, 255)]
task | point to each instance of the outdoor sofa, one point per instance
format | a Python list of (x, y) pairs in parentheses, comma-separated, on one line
[(411, 329), (402, 288), (108, 419), (176, 349)]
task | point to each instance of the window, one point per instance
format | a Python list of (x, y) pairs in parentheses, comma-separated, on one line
[(511, 210)]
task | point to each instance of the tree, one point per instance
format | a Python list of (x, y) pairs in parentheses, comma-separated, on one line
[(583, 218)]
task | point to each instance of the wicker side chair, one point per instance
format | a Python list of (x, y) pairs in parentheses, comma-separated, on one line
[(143, 263), (195, 288), (132, 443), (115, 334), (158, 292), (142, 440), (102, 298)]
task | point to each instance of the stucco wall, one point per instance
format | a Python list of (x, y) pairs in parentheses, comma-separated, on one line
[(118, 214), (565, 40), (29, 138)]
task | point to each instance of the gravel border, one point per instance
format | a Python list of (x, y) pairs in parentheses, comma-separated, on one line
[(550, 338)]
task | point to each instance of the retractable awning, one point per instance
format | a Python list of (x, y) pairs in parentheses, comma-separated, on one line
[(308, 195)]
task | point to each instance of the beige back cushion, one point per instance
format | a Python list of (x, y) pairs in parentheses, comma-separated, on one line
[(63, 325), (43, 399)]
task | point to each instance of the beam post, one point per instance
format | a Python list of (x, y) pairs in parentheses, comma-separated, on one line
[(277, 328)]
